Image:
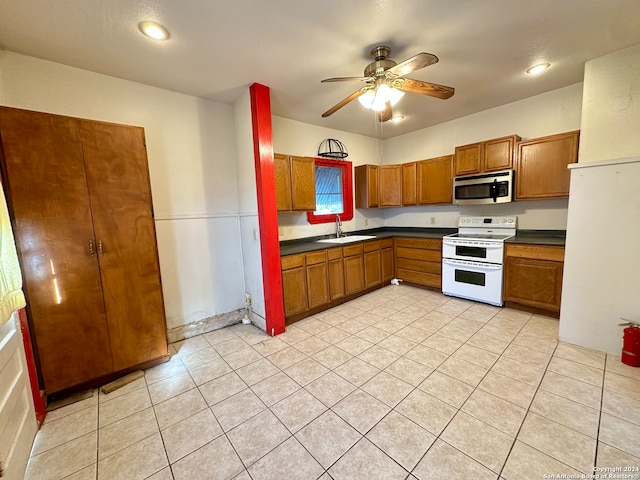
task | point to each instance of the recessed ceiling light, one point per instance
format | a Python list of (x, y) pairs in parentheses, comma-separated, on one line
[(154, 30), (536, 69), (397, 118)]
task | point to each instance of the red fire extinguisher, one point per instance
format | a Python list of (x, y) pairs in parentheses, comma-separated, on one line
[(631, 344)]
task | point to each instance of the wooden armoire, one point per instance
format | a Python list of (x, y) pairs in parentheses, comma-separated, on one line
[(80, 203)]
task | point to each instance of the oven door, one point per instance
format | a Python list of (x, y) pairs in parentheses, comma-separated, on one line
[(472, 280), (479, 251)]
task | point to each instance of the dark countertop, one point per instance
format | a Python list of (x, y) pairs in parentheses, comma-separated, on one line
[(303, 245), (539, 237)]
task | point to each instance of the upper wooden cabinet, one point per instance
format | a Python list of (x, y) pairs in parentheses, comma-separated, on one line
[(435, 180), (409, 184), (390, 186), (295, 183), (488, 156), (366, 178), (542, 166), (83, 221)]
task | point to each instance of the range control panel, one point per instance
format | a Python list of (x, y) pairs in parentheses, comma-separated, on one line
[(485, 222)]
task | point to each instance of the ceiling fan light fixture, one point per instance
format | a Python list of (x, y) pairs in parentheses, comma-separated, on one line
[(377, 98), (537, 69), (154, 30), (397, 118)]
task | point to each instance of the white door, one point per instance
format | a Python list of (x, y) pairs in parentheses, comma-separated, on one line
[(18, 424)]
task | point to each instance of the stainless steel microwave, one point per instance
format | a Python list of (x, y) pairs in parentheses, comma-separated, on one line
[(486, 188)]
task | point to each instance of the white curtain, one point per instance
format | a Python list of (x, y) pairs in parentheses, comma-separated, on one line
[(11, 296)]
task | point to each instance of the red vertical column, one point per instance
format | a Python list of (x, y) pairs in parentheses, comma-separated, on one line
[(267, 211)]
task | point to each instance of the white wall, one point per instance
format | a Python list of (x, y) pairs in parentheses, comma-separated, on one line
[(611, 107), (191, 151), (297, 138), (601, 282), (248, 206)]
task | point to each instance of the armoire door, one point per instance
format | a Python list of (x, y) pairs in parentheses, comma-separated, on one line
[(44, 177), (118, 177)]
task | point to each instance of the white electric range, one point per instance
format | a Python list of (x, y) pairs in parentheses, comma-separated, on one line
[(472, 259)]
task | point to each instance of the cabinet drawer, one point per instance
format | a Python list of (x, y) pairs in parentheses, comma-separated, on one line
[(419, 265), (316, 257), (539, 252), (352, 250), (425, 243), (386, 243), (430, 279), (334, 253), (419, 254), (372, 246), (291, 261)]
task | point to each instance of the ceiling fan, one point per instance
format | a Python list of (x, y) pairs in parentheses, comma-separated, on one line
[(385, 83)]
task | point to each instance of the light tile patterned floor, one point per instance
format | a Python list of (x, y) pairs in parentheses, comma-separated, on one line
[(401, 383)]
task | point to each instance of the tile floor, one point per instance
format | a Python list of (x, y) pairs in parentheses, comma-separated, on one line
[(401, 383)]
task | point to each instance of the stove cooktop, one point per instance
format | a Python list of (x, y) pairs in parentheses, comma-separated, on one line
[(479, 236)]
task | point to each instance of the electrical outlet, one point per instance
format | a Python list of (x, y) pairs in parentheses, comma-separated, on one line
[(247, 299), (366, 222), (433, 221), (255, 234)]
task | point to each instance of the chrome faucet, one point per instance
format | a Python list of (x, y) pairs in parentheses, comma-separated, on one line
[(339, 232)]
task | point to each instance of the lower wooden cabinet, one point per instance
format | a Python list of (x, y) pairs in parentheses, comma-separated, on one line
[(419, 261), (372, 264), (317, 278), (294, 284), (387, 259), (353, 269), (533, 276), (336, 274)]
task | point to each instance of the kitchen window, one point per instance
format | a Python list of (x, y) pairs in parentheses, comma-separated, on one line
[(334, 191)]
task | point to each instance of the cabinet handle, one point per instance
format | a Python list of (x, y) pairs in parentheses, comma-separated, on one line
[(91, 251), (100, 249)]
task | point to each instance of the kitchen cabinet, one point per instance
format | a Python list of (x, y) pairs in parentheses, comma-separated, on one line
[(294, 284), (386, 257), (295, 183), (81, 208), (366, 179), (353, 261), (372, 264), (435, 180), (533, 276), (409, 183), (336, 273), (317, 279), (419, 261), (542, 166), (488, 156), (390, 186)]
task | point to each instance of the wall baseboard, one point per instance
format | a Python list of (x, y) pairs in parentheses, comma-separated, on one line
[(204, 326)]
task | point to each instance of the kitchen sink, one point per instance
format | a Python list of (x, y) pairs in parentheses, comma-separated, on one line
[(348, 239)]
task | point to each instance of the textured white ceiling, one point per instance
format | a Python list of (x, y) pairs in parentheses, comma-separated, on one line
[(217, 49)]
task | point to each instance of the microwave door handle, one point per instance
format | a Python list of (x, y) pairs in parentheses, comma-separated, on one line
[(494, 190)]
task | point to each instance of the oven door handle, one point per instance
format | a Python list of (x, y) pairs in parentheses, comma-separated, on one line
[(485, 266), (459, 243)]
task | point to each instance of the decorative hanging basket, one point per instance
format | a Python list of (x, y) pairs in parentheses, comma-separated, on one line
[(332, 148)]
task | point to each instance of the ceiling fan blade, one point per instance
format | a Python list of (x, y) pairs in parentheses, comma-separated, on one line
[(416, 62), (386, 114), (423, 88), (342, 103), (344, 79)]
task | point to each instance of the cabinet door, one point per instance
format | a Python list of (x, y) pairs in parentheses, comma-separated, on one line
[(366, 179), (542, 166), (118, 177), (388, 270), (537, 283), (47, 192), (498, 153), (435, 182), (317, 285), (467, 159), (336, 273), (372, 269), (294, 290), (409, 184), (353, 274), (283, 182), (303, 184), (390, 182)]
